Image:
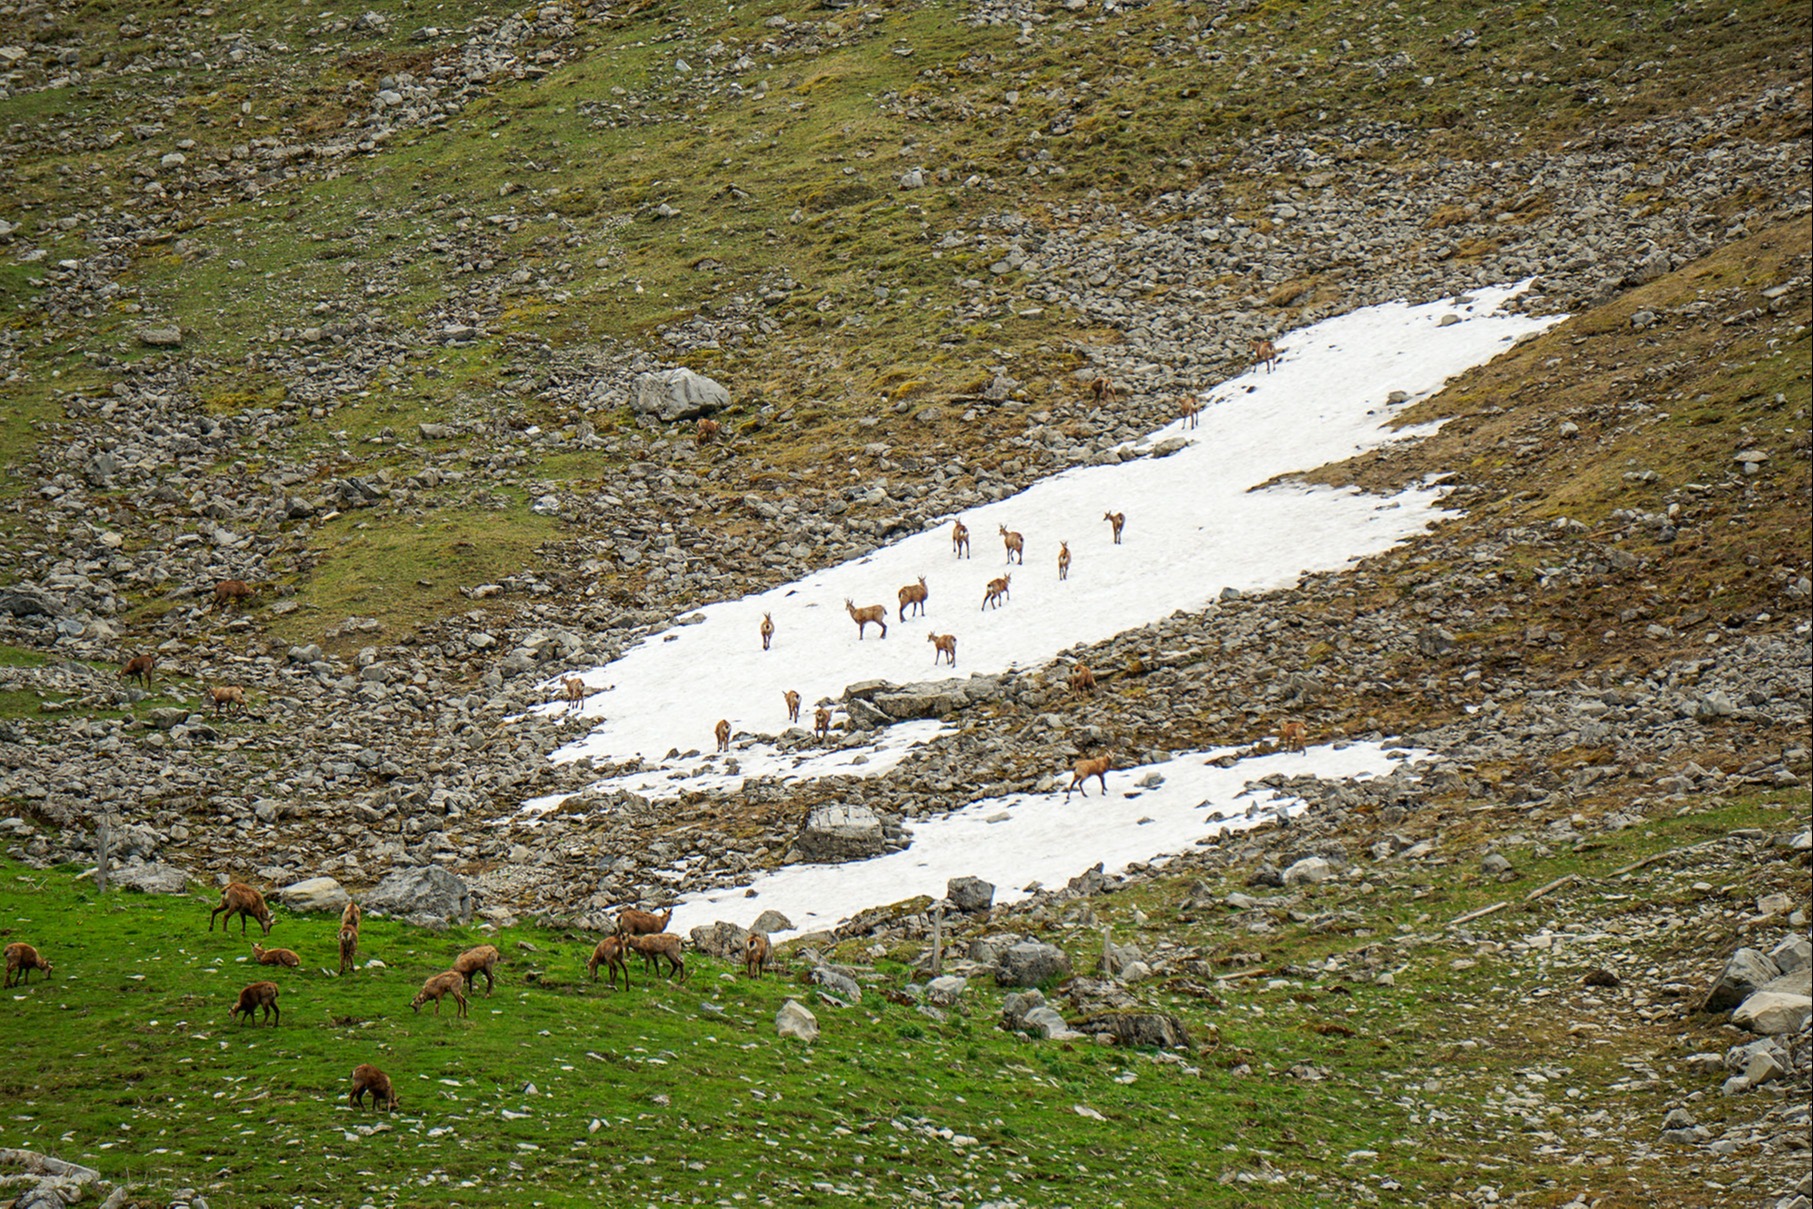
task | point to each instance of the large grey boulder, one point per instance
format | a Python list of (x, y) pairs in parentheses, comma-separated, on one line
[(1773, 1013), (677, 394), (1155, 1030), (1015, 1006), (1049, 1024), (1310, 870), (840, 833), (1743, 974), (838, 983), (149, 879), (723, 940), (771, 921), (315, 894), (923, 700), (794, 1020), (1794, 953), (970, 893), (428, 895), (28, 602), (1030, 964)]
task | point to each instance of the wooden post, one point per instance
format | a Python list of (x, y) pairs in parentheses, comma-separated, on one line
[(938, 940), (102, 839), (1107, 954)]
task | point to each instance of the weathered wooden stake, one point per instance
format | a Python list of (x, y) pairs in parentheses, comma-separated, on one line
[(103, 834), (938, 940)]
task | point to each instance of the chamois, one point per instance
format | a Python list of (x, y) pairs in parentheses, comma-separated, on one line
[(1016, 545), (707, 431), (1292, 734), (610, 954), (1103, 390), (349, 947), (1115, 520), (231, 591), (368, 1078), (821, 724), (1188, 409), (767, 629), (868, 613), (1085, 769), (1063, 560), (258, 995), (792, 700), (572, 690), (275, 957), (959, 539), (722, 731), (913, 595), (22, 959), (1082, 680), (945, 646), (241, 900), (660, 946), (632, 922), (755, 953), (473, 962), (225, 695), (447, 982), (1265, 353), (139, 668), (997, 592)]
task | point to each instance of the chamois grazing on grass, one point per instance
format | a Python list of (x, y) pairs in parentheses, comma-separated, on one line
[(447, 982), (275, 957), (755, 953), (349, 947), (821, 724), (707, 431), (1115, 520), (997, 592), (225, 695), (1188, 410), (792, 700), (945, 647), (241, 900), (368, 1078), (913, 595), (722, 731), (476, 961), (1265, 353), (1097, 768), (229, 592), (658, 947), (1063, 560), (21, 960), (632, 922), (767, 629), (258, 995), (878, 614), (1015, 543), (610, 954), (1082, 680), (1102, 390), (1292, 734), (959, 539), (572, 691), (139, 668)]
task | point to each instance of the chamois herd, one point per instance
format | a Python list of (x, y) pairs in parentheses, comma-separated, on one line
[(635, 932)]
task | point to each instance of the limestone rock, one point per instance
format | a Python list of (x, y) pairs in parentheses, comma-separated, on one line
[(970, 893), (314, 894), (840, 833), (428, 892), (677, 394), (1029, 964), (794, 1020)]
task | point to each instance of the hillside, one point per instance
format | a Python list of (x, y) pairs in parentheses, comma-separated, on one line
[(349, 306)]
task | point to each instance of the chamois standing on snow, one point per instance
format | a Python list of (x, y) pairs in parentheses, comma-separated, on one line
[(1292, 734), (878, 614), (1063, 560), (1016, 545), (722, 730), (821, 724), (1265, 353), (959, 539), (572, 689), (945, 646), (913, 595), (1188, 409), (1115, 521), (997, 592), (1085, 769), (792, 700), (767, 629)]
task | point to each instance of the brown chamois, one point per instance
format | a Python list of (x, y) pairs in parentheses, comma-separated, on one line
[(350, 916), (610, 954), (572, 691), (21, 960), (229, 592), (707, 431), (821, 724), (1115, 520), (944, 646), (476, 961), (241, 900), (1188, 410), (792, 700), (258, 995), (1016, 545), (368, 1078), (1085, 769), (275, 957), (722, 731), (139, 668), (959, 539), (447, 982), (657, 947), (634, 922), (997, 592), (755, 953), (1292, 734), (913, 595), (349, 947), (1082, 680), (767, 629), (877, 614), (226, 695), (1102, 390), (1063, 560), (1265, 353)]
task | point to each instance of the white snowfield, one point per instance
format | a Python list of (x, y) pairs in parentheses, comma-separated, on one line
[(1194, 526)]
